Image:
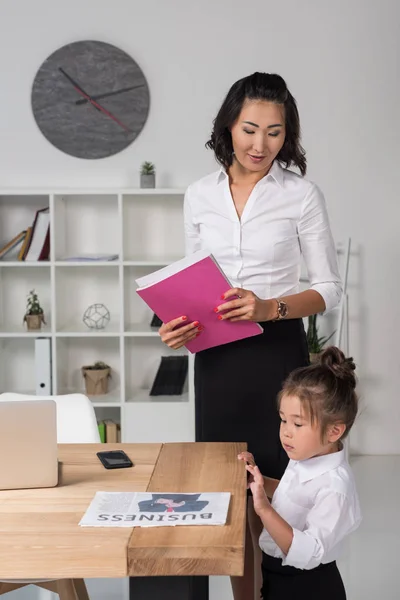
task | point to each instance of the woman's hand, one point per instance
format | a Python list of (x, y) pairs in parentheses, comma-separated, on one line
[(256, 485), (247, 307), (176, 335)]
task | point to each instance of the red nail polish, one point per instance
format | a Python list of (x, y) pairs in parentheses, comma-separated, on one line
[(200, 328), (216, 309), (184, 318), (220, 317), (196, 323), (223, 297)]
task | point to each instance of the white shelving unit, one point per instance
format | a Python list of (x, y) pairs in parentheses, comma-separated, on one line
[(145, 228)]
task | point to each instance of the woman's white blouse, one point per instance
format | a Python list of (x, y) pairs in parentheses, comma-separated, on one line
[(284, 220)]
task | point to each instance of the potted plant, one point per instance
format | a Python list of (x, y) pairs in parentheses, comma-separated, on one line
[(148, 175), (34, 316), (314, 342), (96, 378)]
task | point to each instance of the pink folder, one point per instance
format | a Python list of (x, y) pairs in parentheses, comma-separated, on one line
[(193, 287)]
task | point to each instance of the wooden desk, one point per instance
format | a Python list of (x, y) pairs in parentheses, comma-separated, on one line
[(39, 532), (40, 536), (166, 562)]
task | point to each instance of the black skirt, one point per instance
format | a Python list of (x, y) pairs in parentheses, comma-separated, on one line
[(236, 388), (286, 583)]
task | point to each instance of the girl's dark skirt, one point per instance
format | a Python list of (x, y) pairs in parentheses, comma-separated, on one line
[(287, 583), (236, 388)]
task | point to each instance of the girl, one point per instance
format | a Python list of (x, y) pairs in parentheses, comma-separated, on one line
[(315, 504)]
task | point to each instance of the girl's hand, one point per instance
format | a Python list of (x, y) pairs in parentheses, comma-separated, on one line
[(247, 457), (176, 335), (256, 484), (247, 307)]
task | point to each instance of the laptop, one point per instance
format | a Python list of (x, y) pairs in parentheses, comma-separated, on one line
[(28, 444)]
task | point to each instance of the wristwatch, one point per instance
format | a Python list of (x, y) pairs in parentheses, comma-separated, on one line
[(283, 310)]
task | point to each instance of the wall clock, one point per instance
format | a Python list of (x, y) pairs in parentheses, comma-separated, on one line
[(90, 99)]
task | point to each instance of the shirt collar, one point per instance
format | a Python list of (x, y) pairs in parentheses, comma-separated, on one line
[(314, 467), (275, 172)]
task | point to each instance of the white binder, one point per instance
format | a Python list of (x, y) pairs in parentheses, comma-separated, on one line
[(43, 367)]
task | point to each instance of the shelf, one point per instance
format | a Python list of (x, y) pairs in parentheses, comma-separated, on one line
[(87, 263), (93, 191), (144, 228), (153, 262), (13, 331), (110, 400), (137, 315), (22, 263), (142, 360), (17, 213), (152, 231), (85, 223), (15, 285), (105, 404), (153, 192), (17, 365), (141, 330), (76, 289), (144, 396), (74, 352), (79, 329)]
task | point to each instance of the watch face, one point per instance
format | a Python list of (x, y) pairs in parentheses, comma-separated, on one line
[(90, 99), (283, 309)]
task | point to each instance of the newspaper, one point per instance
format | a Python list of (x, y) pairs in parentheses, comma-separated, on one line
[(163, 509)]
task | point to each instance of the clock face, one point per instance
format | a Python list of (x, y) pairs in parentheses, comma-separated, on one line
[(90, 99)]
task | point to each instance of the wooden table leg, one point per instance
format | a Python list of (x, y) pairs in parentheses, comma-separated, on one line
[(168, 588)]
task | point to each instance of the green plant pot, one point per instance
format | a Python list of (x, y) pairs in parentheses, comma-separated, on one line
[(314, 357), (148, 181), (34, 322), (96, 381)]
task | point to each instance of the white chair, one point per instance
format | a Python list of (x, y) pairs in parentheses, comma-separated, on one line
[(76, 424)]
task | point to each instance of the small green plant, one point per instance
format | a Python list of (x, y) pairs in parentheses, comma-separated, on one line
[(147, 168), (33, 305), (97, 366), (314, 342)]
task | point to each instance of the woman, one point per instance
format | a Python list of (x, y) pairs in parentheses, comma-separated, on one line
[(259, 220)]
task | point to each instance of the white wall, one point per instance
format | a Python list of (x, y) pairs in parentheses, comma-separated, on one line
[(340, 60)]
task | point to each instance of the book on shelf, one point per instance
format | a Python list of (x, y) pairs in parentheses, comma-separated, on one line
[(109, 431), (12, 244), (102, 431), (156, 321), (25, 244), (193, 287), (171, 376), (38, 246)]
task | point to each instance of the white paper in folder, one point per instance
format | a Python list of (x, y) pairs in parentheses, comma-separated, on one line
[(43, 367)]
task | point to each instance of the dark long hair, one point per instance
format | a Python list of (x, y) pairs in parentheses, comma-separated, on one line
[(326, 389), (258, 86)]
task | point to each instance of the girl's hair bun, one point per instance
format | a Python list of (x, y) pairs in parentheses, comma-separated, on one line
[(343, 368)]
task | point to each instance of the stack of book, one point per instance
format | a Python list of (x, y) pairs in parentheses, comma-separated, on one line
[(110, 432), (170, 377), (34, 241)]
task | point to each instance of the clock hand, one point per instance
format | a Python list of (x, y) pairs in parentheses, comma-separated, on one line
[(99, 96), (76, 85), (92, 102)]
